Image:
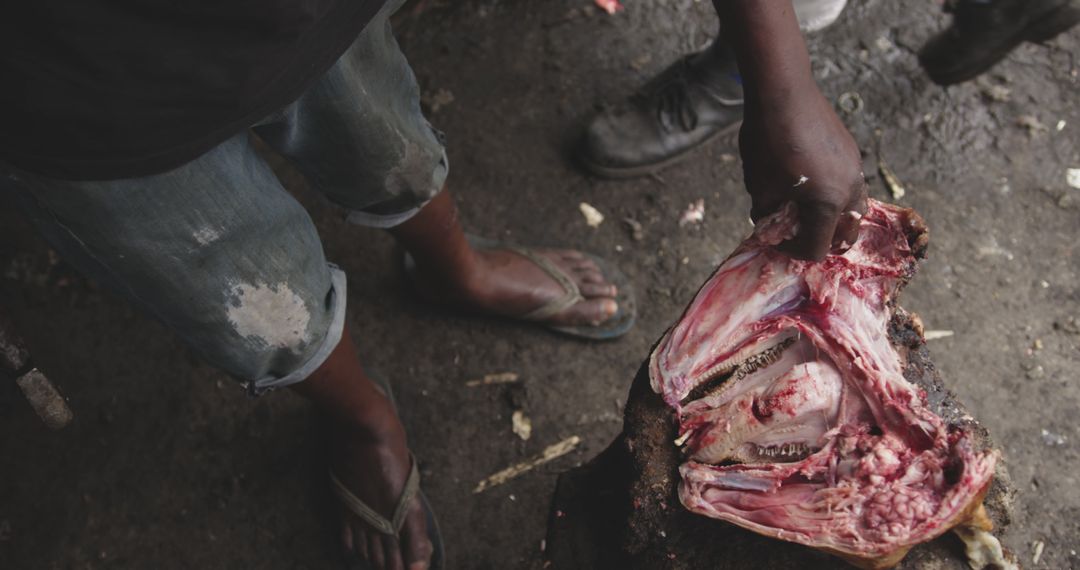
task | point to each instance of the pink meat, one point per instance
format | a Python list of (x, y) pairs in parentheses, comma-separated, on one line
[(794, 413)]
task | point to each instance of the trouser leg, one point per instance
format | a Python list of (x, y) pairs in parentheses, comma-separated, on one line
[(359, 135), (216, 249)]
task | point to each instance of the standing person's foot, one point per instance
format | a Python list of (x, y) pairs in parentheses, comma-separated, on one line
[(695, 100), (568, 291), (563, 289), (984, 31), (386, 524)]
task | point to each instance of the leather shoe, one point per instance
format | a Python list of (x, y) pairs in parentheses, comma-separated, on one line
[(984, 31), (682, 108)]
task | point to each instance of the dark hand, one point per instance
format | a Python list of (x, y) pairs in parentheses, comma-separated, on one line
[(795, 148)]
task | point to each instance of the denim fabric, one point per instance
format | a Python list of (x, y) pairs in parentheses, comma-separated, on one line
[(220, 252), (358, 134), (217, 250)]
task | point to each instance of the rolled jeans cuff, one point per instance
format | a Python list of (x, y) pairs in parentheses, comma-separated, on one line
[(329, 342)]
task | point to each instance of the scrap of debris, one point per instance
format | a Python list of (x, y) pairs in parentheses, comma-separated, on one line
[(994, 91), (998, 93), (1052, 439), (850, 102), (1072, 177), (934, 335), (496, 378), (437, 100), (896, 188), (1032, 124), (636, 231), (521, 424), (983, 549), (551, 453), (1038, 545), (990, 248), (694, 214), (593, 217), (609, 6), (639, 62)]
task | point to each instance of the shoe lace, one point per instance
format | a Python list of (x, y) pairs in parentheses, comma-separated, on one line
[(673, 106)]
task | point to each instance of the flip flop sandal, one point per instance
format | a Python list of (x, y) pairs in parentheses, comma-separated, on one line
[(617, 325), (392, 526)]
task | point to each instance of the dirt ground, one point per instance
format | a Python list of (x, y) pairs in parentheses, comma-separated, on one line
[(170, 465)]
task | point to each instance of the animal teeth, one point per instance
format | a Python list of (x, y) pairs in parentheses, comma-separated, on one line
[(759, 361), (787, 450), (725, 373)]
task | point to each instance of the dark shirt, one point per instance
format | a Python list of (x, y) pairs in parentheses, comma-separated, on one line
[(105, 89)]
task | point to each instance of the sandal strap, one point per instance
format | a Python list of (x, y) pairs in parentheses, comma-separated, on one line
[(570, 297), (380, 523)]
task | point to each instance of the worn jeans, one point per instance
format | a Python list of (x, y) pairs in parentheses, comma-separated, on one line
[(220, 252)]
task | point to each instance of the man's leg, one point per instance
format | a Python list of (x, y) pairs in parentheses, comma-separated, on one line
[(371, 457), (228, 260), (360, 137), (693, 101)]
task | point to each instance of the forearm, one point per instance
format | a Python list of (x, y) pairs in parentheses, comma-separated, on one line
[(794, 147), (772, 56)]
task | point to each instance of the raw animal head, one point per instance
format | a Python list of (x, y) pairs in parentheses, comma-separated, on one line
[(794, 415)]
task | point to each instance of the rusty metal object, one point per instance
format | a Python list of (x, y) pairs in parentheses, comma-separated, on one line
[(15, 361)]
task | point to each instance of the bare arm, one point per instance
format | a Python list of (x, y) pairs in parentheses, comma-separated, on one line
[(793, 146)]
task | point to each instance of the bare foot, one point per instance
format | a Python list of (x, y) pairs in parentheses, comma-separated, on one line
[(503, 282), (373, 462)]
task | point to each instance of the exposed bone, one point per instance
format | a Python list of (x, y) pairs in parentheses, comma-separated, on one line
[(983, 549)]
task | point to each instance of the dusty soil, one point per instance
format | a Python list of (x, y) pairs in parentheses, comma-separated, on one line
[(170, 465)]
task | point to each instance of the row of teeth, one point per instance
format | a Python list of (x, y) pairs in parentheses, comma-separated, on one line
[(759, 361), (786, 450), (720, 375), (737, 372)]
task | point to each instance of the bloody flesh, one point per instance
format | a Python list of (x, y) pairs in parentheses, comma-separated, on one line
[(795, 418)]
